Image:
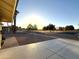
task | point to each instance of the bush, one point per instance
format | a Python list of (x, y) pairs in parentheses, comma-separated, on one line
[(70, 27)]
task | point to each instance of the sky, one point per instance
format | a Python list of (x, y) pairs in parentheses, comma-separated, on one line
[(44, 12)]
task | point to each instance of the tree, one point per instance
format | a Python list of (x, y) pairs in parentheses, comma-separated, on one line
[(69, 27), (61, 28), (78, 25), (35, 27), (29, 27), (45, 28), (77, 29), (19, 28), (51, 27)]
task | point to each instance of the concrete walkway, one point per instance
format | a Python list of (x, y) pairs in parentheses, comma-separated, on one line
[(51, 49), (10, 42)]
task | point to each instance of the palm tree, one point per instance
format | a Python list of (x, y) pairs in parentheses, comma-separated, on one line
[(15, 14)]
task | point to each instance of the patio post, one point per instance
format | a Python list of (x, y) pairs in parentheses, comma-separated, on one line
[(0, 34)]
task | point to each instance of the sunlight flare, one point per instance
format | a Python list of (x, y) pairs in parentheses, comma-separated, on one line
[(34, 19)]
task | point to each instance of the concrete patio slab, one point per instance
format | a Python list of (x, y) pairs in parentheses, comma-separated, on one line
[(70, 52), (53, 45), (55, 57), (31, 51), (51, 49)]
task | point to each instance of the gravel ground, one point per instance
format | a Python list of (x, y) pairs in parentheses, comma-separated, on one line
[(28, 37), (66, 35), (32, 37)]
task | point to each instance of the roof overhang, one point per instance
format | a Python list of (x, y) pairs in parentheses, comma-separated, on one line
[(7, 10)]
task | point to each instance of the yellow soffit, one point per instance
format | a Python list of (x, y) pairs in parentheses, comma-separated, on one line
[(7, 9)]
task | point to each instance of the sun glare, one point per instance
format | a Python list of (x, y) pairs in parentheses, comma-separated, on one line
[(34, 19)]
